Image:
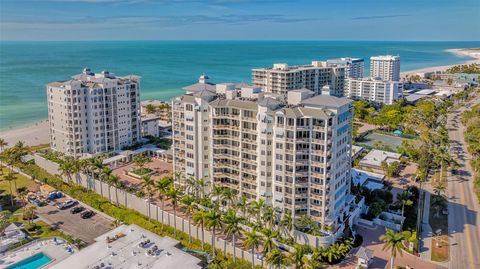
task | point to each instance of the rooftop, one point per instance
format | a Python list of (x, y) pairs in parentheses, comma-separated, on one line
[(376, 157), (121, 248), (326, 101), (385, 58)]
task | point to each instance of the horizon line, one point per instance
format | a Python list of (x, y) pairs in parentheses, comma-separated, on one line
[(235, 40)]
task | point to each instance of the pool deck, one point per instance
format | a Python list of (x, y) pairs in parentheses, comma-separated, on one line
[(57, 251)]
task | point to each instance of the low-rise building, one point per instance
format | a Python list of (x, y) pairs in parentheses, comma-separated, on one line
[(129, 246), (374, 159)]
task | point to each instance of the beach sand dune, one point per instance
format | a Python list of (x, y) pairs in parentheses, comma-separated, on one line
[(32, 135)]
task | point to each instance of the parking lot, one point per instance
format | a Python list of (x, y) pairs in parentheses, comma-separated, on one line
[(84, 229)]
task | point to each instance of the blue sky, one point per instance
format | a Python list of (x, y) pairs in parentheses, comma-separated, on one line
[(240, 19)]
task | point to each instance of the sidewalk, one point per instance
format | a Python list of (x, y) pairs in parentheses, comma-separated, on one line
[(426, 243)]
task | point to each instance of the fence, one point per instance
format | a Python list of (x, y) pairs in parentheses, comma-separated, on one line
[(148, 209)]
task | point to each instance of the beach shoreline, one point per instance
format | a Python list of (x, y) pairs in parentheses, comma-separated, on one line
[(473, 54), (38, 133), (32, 134)]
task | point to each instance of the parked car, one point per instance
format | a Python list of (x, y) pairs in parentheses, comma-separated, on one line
[(36, 201), (77, 209), (87, 214), (67, 204)]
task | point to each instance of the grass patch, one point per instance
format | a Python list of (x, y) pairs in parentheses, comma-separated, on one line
[(21, 182), (41, 229), (440, 250), (142, 171), (438, 220)]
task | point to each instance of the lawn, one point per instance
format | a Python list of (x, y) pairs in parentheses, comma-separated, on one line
[(142, 171), (440, 253), (21, 181)]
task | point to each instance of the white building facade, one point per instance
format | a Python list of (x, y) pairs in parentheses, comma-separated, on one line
[(378, 91), (386, 67), (94, 113), (295, 153), (282, 78), (354, 67)]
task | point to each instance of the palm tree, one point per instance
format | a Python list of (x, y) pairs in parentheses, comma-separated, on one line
[(10, 177), (287, 223), (252, 241), (228, 195), (174, 196), (232, 227), (242, 205), (162, 187), (316, 259), (3, 144), (404, 199), (213, 222), (439, 189), (393, 241), (269, 217), (115, 181), (5, 216), (188, 202), (256, 208), (199, 218), (297, 257), (97, 167), (200, 185), (148, 184), (216, 192), (67, 168), (190, 187), (141, 160), (104, 177), (268, 243), (277, 259)]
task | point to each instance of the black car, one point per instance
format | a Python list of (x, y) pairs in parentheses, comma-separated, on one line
[(87, 214), (77, 209)]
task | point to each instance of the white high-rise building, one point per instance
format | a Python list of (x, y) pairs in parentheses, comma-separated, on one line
[(354, 67), (385, 67), (282, 78), (93, 113), (294, 153), (378, 91)]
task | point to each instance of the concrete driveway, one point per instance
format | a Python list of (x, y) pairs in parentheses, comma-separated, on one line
[(84, 229)]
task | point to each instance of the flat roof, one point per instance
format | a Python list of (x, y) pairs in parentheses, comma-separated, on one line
[(126, 252), (376, 157)]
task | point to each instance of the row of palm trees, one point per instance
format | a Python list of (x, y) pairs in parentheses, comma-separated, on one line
[(11, 156), (220, 210)]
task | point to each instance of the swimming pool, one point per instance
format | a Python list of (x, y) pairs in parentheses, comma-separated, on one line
[(34, 262)]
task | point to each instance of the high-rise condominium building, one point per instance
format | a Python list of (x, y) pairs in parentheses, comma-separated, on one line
[(93, 113), (295, 153), (379, 91), (385, 67), (354, 67), (281, 78)]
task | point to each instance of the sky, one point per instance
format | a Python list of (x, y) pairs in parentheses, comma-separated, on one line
[(444, 20)]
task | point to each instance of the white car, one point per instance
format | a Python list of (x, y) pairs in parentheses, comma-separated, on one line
[(67, 204)]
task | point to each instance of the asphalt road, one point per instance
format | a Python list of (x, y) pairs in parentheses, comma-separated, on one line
[(463, 207)]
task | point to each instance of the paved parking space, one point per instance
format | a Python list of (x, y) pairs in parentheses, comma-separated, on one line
[(85, 229)]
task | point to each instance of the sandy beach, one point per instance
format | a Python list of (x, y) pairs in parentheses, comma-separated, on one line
[(473, 53), (35, 134)]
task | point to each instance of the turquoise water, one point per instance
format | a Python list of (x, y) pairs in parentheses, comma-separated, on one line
[(167, 66), (34, 262)]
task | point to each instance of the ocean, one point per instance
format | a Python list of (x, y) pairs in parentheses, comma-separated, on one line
[(167, 66)]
